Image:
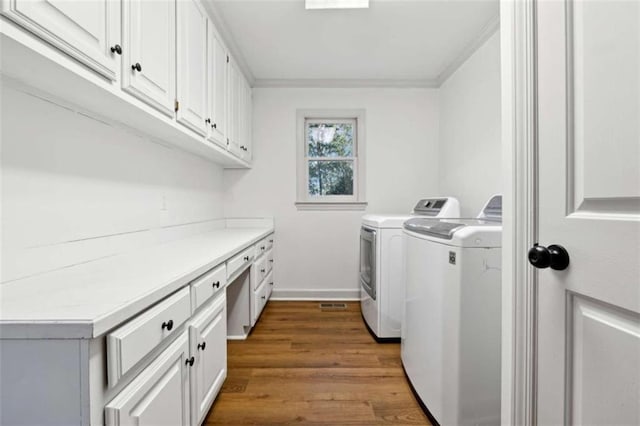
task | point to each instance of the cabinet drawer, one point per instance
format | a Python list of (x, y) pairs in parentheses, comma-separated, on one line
[(261, 270), (160, 394), (205, 286), (127, 345), (260, 295), (261, 247), (268, 281), (269, 262), (239, 261)]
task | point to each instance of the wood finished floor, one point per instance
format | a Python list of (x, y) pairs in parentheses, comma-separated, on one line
[(301, 365)]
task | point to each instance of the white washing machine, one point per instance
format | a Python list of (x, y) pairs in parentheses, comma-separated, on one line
[(381, 264), (451, 328)]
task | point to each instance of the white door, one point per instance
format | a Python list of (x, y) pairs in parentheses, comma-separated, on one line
[(149, 52), (159, 395), (218, 92), (85, 30), (192, 65), (589, 202), (209, 348)]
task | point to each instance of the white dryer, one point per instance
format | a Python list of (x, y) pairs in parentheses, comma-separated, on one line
[(382, 264), (451, 329)]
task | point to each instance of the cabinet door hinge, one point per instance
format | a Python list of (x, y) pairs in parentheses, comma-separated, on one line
[(177, 105)]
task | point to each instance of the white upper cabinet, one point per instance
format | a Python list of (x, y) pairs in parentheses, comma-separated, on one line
[(240, 106), (247, 112), (233, 109), (85, 30), (192, 66), (217, 80), (149, 52)]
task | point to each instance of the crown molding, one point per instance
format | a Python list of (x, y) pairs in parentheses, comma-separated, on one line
[(345, 83), (223, 30), (487, 31)]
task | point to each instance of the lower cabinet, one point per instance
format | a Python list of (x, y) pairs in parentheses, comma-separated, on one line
[(159, 395), (208, 333), (179, 385)]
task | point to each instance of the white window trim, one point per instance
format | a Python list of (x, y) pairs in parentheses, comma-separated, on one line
[(356, 201)]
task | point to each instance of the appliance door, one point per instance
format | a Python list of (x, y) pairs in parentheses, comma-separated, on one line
[(368, 261)]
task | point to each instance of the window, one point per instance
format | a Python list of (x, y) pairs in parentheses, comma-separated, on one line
[(330, 159)]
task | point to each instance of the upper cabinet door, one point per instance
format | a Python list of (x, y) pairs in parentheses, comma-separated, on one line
[(248, 121), (85, 30), (232, 90), (218, 81), (149, 52), (192, 66)]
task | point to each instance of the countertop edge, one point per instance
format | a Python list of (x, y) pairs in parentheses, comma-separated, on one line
[(99, 326)]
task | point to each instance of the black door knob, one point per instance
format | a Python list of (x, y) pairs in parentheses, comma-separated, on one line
[(137, 67), (202, 345), (216, 284), (190, 361), (208, 120), (215, 126), (116, 49), (554, 256)]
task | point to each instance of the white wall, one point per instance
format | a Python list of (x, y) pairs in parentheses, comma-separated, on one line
[(317, 251), (470, 153), (76, 189)]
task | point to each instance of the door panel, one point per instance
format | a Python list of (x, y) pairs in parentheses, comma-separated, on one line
[(217, 68), (209, 346), (159, 395), (192, 65), (149, 39), (597, 373), (604, 108), (86, 30), (588, 201)]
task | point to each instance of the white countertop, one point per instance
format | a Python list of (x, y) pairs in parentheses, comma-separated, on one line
[(87, 300)]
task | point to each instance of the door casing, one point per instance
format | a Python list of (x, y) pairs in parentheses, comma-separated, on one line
[(519, 149)]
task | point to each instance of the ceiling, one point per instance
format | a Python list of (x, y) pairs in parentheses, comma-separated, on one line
[(395, 40)]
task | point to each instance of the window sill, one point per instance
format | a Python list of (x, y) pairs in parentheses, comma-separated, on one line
[(328, 205)]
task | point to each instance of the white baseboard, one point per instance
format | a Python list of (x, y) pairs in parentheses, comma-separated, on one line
[(311, 294)]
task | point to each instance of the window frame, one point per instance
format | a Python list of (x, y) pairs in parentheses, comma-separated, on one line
[(305, 201)]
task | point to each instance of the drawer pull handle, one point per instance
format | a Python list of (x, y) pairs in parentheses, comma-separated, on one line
[(271, 241), (137, 67), (271, 260), (168, 325), (263, 270), (116, 49), (262, 248), (190, 361), (216, 284), (202, 345), (271, 283), (264, 297), (246, 258)]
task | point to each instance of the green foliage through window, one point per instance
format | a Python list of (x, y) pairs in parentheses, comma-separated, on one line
[(330, 154)]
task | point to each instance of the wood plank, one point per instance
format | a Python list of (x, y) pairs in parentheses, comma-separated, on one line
[(307, 366)]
